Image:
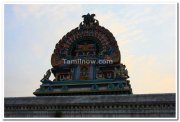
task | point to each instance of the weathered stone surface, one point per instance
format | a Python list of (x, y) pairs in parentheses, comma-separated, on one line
[(142, 105)]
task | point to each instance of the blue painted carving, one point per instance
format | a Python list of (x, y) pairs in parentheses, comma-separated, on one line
[(64, 88), (120, 85), (94, 87)]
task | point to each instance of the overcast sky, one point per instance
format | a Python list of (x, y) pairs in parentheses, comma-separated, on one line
[(146, 35)]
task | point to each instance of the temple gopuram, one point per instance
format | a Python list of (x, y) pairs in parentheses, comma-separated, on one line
[(86, 60), (89, 81)]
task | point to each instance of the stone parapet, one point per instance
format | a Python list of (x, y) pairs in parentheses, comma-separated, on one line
[(140, 105)]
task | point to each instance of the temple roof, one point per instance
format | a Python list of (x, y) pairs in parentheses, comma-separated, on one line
[(91, 32)]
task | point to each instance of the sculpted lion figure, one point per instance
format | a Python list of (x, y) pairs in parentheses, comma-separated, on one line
[(47, 75)]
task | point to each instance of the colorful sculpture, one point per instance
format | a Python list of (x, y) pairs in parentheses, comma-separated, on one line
[(86, 61)]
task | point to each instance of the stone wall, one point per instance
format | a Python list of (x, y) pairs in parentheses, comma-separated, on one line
[(142, 105)]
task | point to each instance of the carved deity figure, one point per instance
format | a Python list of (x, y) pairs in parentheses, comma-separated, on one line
[(121, 72)]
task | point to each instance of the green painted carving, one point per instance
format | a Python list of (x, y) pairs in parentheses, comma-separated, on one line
[(110, 86)]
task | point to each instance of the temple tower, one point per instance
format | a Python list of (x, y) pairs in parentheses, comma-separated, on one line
[(86, 60)]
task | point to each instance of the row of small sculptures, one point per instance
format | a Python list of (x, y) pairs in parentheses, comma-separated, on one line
[(120, 72)]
